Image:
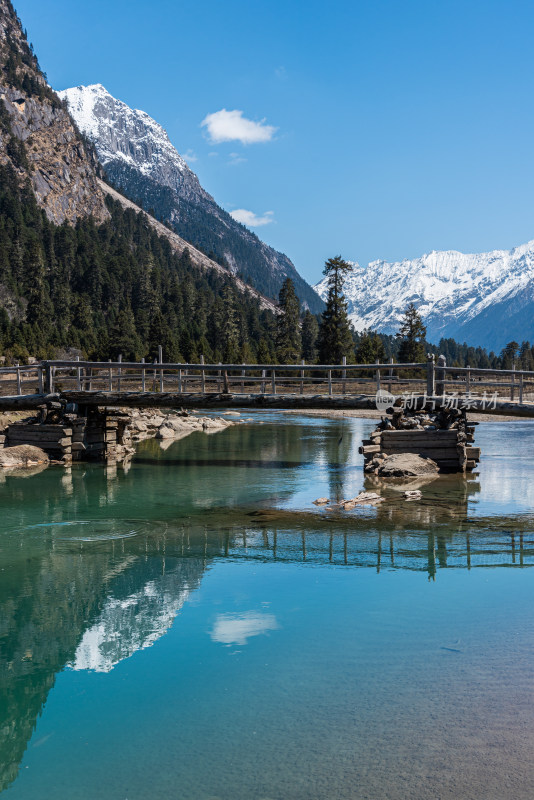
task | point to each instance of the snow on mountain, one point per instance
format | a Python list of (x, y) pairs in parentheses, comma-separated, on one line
[(485, 299), (131, 623), (131, 136), (141, 161)]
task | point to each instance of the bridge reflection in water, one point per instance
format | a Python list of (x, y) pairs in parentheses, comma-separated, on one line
[(88, 602)]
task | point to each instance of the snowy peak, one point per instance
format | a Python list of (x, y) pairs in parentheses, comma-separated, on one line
[(131, 137), (486, 298)]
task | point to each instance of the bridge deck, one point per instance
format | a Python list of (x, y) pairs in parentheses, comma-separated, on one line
[(474, 405)]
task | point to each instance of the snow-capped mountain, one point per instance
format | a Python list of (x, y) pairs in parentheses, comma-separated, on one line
[(135, 622), (140, 159), (484, 299), (131, 138)]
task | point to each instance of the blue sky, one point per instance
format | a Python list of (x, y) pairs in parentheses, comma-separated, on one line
[(401, 127)]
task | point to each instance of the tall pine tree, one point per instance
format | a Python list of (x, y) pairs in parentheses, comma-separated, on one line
[(288, 341), (335, 337), (412, 337)]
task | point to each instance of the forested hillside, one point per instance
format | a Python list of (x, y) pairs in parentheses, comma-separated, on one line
[(114, 288)]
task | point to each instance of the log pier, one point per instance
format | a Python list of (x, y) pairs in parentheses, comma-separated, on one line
[(446, 437), (100, 436)]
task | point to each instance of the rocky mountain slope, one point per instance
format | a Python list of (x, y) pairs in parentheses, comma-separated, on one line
[(485, 299), (140, 160), (37, 136), (179, 246)]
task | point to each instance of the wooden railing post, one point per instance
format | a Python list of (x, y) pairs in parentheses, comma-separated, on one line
[(430, 376), (344, 376), (17, 372), (160, 358), (302, 378), (180, 380), (78, 376), (330, 383), (242, 381), (110, 377), (468, 381), (273, 381), (143, 377), (40, 378), (262, 388), (521, 389), (377, 376), (512, 387), (390, 375), (119, 373), (48, 378), (202, 376), (440, 376), (226, 389)]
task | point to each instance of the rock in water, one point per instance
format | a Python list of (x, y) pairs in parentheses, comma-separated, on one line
[(321, 501), (414, 494), (23, 455), (401, 465)]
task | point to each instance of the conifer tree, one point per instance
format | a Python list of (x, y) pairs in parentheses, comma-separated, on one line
[(123, 336), (335, 337), (288, 341), (230, 328), (525, 356), (309, 334), (509, 356), (370, 349), (411, 337)]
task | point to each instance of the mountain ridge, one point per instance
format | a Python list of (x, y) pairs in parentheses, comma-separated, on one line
[(140, 160), (486, 299)]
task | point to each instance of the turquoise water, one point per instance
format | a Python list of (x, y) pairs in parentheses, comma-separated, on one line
[(193, 627)]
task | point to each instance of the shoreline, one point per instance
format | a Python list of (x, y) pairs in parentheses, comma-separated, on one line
[(372, 414)]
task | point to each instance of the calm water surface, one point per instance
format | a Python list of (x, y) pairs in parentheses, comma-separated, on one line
[(194, 628)]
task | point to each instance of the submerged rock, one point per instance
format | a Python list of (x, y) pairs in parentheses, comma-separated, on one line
[(321, 501), (414, 494), (401, 465), (363, 499)]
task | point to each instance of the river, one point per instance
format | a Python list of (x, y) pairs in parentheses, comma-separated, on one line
[(194, 627)]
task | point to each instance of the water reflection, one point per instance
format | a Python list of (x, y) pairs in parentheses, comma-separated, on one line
[(98, 564), (239, 628)]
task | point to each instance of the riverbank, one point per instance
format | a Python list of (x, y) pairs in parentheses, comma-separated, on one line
[(365, 413)]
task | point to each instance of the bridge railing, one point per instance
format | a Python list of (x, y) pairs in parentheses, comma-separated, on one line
[(183, 378), (270, 379)]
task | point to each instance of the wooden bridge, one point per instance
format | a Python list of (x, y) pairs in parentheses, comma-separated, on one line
[(321, 386)]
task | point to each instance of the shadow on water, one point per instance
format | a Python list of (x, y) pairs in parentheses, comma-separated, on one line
[(97, 563)]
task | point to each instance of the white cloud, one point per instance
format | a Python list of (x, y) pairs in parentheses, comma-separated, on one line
[(237, 628), (190, 157), (250, 219), (232, 126)]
